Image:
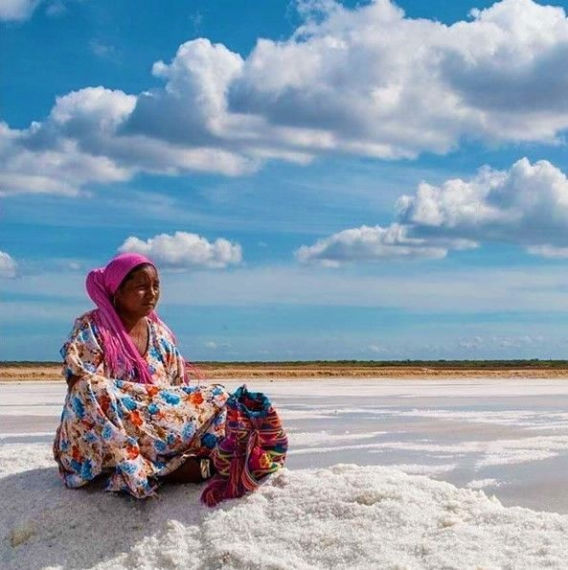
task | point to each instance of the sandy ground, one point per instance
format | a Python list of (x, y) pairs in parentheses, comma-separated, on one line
[(53, 372)]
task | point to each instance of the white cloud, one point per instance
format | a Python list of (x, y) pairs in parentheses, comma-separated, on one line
[(66, 152), (373, 82), (471, 343), (8, 267), (365, 81), (369, 81), (17, 10), (525, 205), (193, 105), (91, 111), (549, 251), (78, 145), (186, 250), (21, 10), (368, 244), (103, 50)]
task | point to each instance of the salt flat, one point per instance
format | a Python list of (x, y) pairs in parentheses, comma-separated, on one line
[(473, 438), (508, 436)]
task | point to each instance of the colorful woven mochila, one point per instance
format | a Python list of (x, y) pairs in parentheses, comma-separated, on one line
[(254, 446)]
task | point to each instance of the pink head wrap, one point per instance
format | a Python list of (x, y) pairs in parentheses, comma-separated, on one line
[(119, 350)]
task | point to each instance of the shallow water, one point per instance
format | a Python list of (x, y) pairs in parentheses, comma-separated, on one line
[(508, 437)]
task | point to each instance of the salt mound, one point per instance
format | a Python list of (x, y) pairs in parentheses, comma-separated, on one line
[(343, 516)]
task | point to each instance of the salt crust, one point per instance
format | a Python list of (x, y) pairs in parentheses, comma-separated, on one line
[(489, 453), (481, 483), (345, 516)]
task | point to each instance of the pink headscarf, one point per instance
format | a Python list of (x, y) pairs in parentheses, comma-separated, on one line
[(119, 350)]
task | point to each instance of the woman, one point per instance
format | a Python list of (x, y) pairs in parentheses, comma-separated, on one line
[(129, 412)]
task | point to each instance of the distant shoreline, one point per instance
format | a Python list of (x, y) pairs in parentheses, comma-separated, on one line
[(51, 371)]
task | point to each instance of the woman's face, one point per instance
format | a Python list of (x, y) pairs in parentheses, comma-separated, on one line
[(138, 294)]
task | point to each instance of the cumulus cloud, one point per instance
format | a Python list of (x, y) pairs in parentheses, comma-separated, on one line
[(17, 10), (78, 145), (65, 152), (8, 267), (200, 75), (185, 250), (365, 81), (525, 205), (378, 83)]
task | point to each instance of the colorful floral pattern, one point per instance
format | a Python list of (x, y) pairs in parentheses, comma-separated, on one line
[(82, 353), (133, 432)]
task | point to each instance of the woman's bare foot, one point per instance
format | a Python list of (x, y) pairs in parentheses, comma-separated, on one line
[(191, 471)]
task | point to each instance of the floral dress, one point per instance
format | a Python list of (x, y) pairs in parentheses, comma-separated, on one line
[(130, 431)]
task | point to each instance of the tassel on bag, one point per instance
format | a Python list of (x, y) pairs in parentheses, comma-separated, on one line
[(254, 446)]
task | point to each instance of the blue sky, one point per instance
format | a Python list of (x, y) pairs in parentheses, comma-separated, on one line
[(315, 180)]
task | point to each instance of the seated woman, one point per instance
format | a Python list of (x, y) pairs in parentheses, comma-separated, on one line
[(129, 412)]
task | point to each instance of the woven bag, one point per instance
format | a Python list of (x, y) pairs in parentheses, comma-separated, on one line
[(254, 446)]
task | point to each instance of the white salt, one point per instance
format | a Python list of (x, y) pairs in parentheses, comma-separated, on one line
[(342, 516)]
